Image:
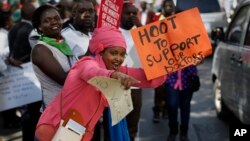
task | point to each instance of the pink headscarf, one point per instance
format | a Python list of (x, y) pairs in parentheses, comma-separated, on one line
[(105, 37)]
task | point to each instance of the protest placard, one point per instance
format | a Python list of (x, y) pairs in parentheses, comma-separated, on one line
[(119, 99), (19, 87), (171, 44), (110, 13)]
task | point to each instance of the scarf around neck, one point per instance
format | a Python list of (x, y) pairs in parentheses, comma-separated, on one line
[(59, 44)]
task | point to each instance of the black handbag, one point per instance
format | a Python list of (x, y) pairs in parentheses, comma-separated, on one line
[(194, 82)]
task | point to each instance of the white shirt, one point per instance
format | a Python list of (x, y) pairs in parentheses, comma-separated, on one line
[(144, 17), (33, 38), (132, 58), (4, 44), (77, 41)]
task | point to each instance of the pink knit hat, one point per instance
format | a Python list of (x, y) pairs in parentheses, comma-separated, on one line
[(105, 37)]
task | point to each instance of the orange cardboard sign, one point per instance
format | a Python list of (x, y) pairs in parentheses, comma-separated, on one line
[(171, 44)]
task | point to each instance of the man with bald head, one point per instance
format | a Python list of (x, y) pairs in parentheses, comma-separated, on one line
[(80, 26)]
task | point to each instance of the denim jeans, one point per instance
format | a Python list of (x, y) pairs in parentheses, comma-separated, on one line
[(178, 99), (134, 116)]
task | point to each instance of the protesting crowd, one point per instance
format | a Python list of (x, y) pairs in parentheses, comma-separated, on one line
[(67, 46)]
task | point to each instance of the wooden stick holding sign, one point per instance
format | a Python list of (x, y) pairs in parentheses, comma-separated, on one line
[(119, 99), (110, 13), (171, 44)]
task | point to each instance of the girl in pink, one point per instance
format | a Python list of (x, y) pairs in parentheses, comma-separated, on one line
[(109, 49)]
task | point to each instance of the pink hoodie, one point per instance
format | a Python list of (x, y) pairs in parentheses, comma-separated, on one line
[(86, 99)]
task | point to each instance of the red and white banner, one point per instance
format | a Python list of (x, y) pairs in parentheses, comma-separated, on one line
[(110, 13)]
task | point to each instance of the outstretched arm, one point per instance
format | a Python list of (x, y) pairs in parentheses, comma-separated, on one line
[(139, 74)]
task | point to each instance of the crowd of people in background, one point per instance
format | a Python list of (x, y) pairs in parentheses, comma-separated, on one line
[(41, 31)]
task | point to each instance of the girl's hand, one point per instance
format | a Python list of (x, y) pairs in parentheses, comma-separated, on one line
[(126, 80), (199, 60), (14, 62)]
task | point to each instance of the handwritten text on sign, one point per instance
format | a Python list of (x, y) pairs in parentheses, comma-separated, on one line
[(171, 44), (119, 99), (110, 11), (19, 87)]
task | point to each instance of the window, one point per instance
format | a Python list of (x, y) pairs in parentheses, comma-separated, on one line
[(237, 26), (210, 10), (247, 39), (204, 6)]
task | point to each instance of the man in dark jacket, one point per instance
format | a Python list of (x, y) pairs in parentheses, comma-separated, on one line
[(20, 50)]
